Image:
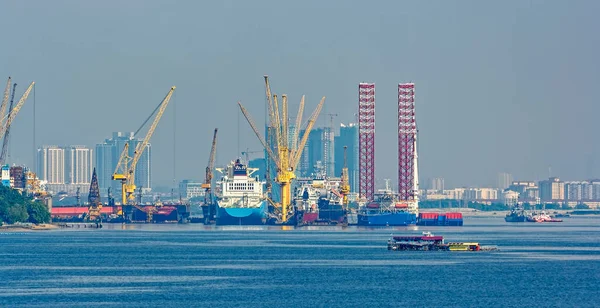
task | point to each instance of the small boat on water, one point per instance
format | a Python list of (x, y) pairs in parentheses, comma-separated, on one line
[(517, 214), (429, 242), (541, 217)]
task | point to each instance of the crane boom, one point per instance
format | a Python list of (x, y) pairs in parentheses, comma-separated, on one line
[(142, 146), (298, 124), (15, 111), (260, 138), (7, 133), (288, 155), (309, 126), (125, 170), (5, 99)]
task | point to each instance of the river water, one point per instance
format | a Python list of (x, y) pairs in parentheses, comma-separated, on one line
[(538, 265)]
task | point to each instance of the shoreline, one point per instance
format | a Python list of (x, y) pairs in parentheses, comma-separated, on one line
[(24, 227)]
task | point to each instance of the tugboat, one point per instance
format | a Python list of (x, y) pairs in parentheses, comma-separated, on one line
[(541, 217), (517, 214)]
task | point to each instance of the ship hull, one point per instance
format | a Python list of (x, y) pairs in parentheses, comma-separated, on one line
[(331, 212), (513, 218), (386, 219), (242, 216)]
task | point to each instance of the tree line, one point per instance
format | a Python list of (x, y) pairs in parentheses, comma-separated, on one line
[(15, 207)]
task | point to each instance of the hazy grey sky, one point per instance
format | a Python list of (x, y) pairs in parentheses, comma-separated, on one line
[(501, 85)]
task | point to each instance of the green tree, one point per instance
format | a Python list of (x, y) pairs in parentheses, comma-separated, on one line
[(582, 206), (14, 207), (38, 213)]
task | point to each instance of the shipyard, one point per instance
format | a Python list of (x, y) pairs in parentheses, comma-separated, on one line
[(280, 191), (299, 154)]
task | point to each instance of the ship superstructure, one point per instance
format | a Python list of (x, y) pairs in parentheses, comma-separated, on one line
[(319, 200), (240, 199), (387, 210)]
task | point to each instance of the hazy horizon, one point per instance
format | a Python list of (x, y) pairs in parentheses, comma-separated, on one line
[(500, 86)]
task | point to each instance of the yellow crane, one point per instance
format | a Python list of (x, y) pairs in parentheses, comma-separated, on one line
[(4, 125), (286, 158), (125, 170), (345, 184), (5, 99), (209, 168)]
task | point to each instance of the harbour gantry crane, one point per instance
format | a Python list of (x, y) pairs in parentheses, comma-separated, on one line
[(208, 206), (7, 132), (125, 170), (287, 157)]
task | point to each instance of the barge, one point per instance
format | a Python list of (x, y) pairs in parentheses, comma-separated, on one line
[(429, 242)]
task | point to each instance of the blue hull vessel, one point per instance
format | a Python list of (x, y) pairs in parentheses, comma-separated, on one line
[(242, 216), (386, 219)]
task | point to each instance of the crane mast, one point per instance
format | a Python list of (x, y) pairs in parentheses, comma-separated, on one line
[(345, 185), (209, 169), (286, 159), (125, 171)]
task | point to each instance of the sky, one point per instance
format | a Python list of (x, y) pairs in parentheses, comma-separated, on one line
[(501, 86)]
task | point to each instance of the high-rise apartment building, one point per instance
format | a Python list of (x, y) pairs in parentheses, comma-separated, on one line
[(504, 180), (348, 137), (65, 168), (552, 190), (51, 164), (318, 154), (107, 157), (437, 184), (78, 164)]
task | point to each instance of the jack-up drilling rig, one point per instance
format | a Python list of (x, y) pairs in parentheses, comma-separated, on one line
[(125, 171), (287, 157), (209, 207)]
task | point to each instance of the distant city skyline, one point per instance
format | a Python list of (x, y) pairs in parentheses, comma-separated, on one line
[(492, 78)]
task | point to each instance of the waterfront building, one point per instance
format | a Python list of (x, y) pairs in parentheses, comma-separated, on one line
[(189, 189), (552, 190), (437, 184), (504, 180)]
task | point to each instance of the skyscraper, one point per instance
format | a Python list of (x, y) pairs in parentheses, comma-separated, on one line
[(348, 137), (78, 164), (51, 164), (437, 184), (504, 180), (317, 156), (107, 157), (552, 190), (65, 168)]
